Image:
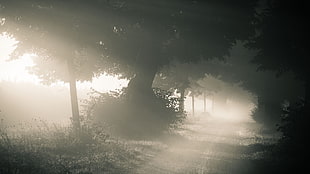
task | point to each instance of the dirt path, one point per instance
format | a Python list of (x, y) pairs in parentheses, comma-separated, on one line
[(207, 146)]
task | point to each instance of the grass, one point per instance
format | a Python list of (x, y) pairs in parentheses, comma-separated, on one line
[(55, 150)]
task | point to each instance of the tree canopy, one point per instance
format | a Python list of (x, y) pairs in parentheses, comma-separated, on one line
[(281, 39), (282, 36), (132, 36)]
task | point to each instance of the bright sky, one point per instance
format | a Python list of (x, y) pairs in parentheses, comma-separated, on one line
[(16, 70)]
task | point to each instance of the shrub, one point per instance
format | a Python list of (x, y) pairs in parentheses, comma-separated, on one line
[(135, 120), (290, 151)]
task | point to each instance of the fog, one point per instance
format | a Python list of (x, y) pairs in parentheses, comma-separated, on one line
[(24, 101), (237, 107), (141, 86), (24, 98)]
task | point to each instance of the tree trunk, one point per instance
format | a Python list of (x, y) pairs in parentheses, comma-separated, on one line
[(212, 103), (74, 100), (182, 99), (307, 97), (74, 105), (204, 102), (140, 87), (193, 104)]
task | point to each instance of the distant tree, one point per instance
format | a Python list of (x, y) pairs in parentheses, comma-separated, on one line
[(182, 76), (264, 84), (212, 86), (237, 69)]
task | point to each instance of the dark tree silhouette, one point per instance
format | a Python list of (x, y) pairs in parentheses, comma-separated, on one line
[(264, 84), (282, 38), (282, 43), (154, 34)]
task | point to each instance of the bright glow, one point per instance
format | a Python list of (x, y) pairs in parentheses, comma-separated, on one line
[(25, 97), (16, 70), (104, 83), (7, 46), (233, 111)]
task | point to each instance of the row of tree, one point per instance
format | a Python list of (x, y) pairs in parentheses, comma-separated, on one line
[(138, 38)]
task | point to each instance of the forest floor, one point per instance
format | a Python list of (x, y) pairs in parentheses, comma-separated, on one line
[(207, 146), (203, 145)]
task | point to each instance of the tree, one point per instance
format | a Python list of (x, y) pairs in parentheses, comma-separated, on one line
[(195, 76), (282, 42), (184, 30), (181, 76), (172, 77), (282, 39), (134, 38), (58, 34), (263, 84)]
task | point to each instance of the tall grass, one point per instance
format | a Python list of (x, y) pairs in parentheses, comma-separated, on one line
[(51, 149)]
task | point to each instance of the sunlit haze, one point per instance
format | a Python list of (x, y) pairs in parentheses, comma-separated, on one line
[(15, 74), (154, 86), (16, 70)]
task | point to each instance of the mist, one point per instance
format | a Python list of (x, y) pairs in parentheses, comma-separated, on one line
[(179, 86)]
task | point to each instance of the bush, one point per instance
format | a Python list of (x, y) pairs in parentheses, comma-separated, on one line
[(267, 115), (135, 120), (290, 152)]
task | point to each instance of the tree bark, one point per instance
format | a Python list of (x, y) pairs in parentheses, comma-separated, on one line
[(193, 104), (140, 86), (74, 100), (182, 99), (204, 102), (74, 105), (307, 97), (212, 103)]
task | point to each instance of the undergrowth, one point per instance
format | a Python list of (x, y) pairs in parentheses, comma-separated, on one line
[(132, 119), (53, 149)]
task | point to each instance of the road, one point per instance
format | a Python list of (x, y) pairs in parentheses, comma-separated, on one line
[(207, 146)]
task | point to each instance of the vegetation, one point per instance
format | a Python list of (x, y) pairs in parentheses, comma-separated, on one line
[(292, 146), (78, 40), (128, 119), (56, 150), (281, 41)]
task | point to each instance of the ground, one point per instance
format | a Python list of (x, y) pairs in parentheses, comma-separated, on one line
[(203, 145), (206, 145)]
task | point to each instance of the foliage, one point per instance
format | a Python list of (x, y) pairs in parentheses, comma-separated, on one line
[(57, 33), (129, 119), (57, 151), (294, 125), (263, 84), (267, 114), (289, 153), (171, 102), (106, 30), (281, 38)]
